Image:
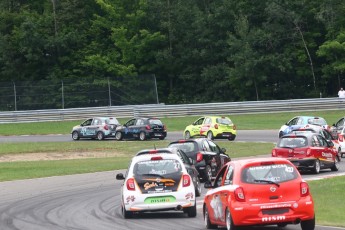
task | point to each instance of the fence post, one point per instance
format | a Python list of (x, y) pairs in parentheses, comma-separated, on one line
[(62, 96), (15, 96), (109, 92)]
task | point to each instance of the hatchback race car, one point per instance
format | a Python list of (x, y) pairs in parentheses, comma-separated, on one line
[(142, 129), (307, 151), (188, 163), (157, 182), (260, 191), (206, 154), (300, 121), (97, 127), (212, 127)]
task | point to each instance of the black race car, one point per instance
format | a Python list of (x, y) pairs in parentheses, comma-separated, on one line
[(142, 129), (207, 155)]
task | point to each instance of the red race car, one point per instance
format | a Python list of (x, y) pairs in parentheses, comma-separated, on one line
[(259, 191)]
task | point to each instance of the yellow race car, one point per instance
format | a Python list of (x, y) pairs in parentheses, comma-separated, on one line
[(212, 127)]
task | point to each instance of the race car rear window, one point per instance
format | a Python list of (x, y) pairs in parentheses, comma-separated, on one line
[(317, 121), (157, 167), (155, 122), (292, 142), (186, 147), (224, 121), (268, 173)]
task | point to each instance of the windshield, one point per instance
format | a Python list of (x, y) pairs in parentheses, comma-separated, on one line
[(186, 147), (292, 142), (155, 122), (317, 121), (157, 167), (224, 121), (269, 173)]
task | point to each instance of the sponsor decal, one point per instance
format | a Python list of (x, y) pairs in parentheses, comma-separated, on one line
[(275, 206), (189, 196), (130, 199), (272, 218), (148, 185), (273, 189), (295, 205), (217, 208), (327, 155)]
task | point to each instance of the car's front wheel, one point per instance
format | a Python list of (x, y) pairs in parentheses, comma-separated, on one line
[(229, 223), (75, 135), (207, 221), (100, 136), (317, 167), (308, 224), (335, 167), (118, 136), (187, 135)]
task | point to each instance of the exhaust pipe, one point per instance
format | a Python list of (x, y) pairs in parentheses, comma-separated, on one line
[(178, 208)]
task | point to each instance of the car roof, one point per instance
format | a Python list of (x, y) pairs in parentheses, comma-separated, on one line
[(145, 157), (260, 161), (156, 151), (302, 134)]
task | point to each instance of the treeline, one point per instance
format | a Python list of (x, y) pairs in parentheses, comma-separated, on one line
[(199, 50)]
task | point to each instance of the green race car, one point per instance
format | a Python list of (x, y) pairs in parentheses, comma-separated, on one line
[(212, 127)]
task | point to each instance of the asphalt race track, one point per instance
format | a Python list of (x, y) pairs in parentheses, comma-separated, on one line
[(92, 201)]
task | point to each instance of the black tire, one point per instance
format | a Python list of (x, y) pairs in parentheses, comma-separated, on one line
[(191, 211), (118, 136), (100, 136), (75, 135), (142, 136), (317, 166), (228, 220), (282, 225), (335, 167), (210, 135), (207, 221), (187, 135), (232, 137), (161, 138), (308, 224), (208, 173), (126, 214), (198, 188)]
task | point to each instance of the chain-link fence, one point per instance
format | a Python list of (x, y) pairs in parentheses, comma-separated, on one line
[(77, 93)]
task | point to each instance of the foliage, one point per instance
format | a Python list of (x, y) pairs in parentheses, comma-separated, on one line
[(199, 51)]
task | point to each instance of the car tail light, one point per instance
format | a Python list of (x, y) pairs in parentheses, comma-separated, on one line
[(341, 137), (106, 127), (234, 127), (199, 157), (308, 152), (186, 180), (304, 189), (148, 127), (239, 194), (216, 126), (130, 184), (274, 153), (156, 158)]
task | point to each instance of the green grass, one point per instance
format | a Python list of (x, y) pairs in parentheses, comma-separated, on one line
[(243, 121), (328, 195)]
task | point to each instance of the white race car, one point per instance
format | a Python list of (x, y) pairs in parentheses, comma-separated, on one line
[(157, 182)]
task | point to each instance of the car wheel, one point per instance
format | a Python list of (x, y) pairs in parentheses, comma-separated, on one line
[(232, 137), (335, 167), (191, 211), (229, 223), (282, 225), (197, 188), (187, 135), (142, 136), (317, 167), (126, 214), (100, 136), (118, 136), (207, 221), (210, 135), (161, 138), (208, 173), (75, 135), (308, 224)]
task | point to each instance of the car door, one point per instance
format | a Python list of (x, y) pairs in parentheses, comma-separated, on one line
[(195, 130), (340, 125), (326, 154), (86, 128), (205, 126), (128, 128)]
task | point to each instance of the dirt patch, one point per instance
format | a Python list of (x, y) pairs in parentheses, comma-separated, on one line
[(57, 156)]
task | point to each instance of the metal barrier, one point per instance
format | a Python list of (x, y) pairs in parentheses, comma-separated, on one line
[(162, 110)]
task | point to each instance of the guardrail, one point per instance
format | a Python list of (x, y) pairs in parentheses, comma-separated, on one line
[(162, 110)]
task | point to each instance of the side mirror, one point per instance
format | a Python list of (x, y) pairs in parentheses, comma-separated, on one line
[(208, 184), (120, 176)]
